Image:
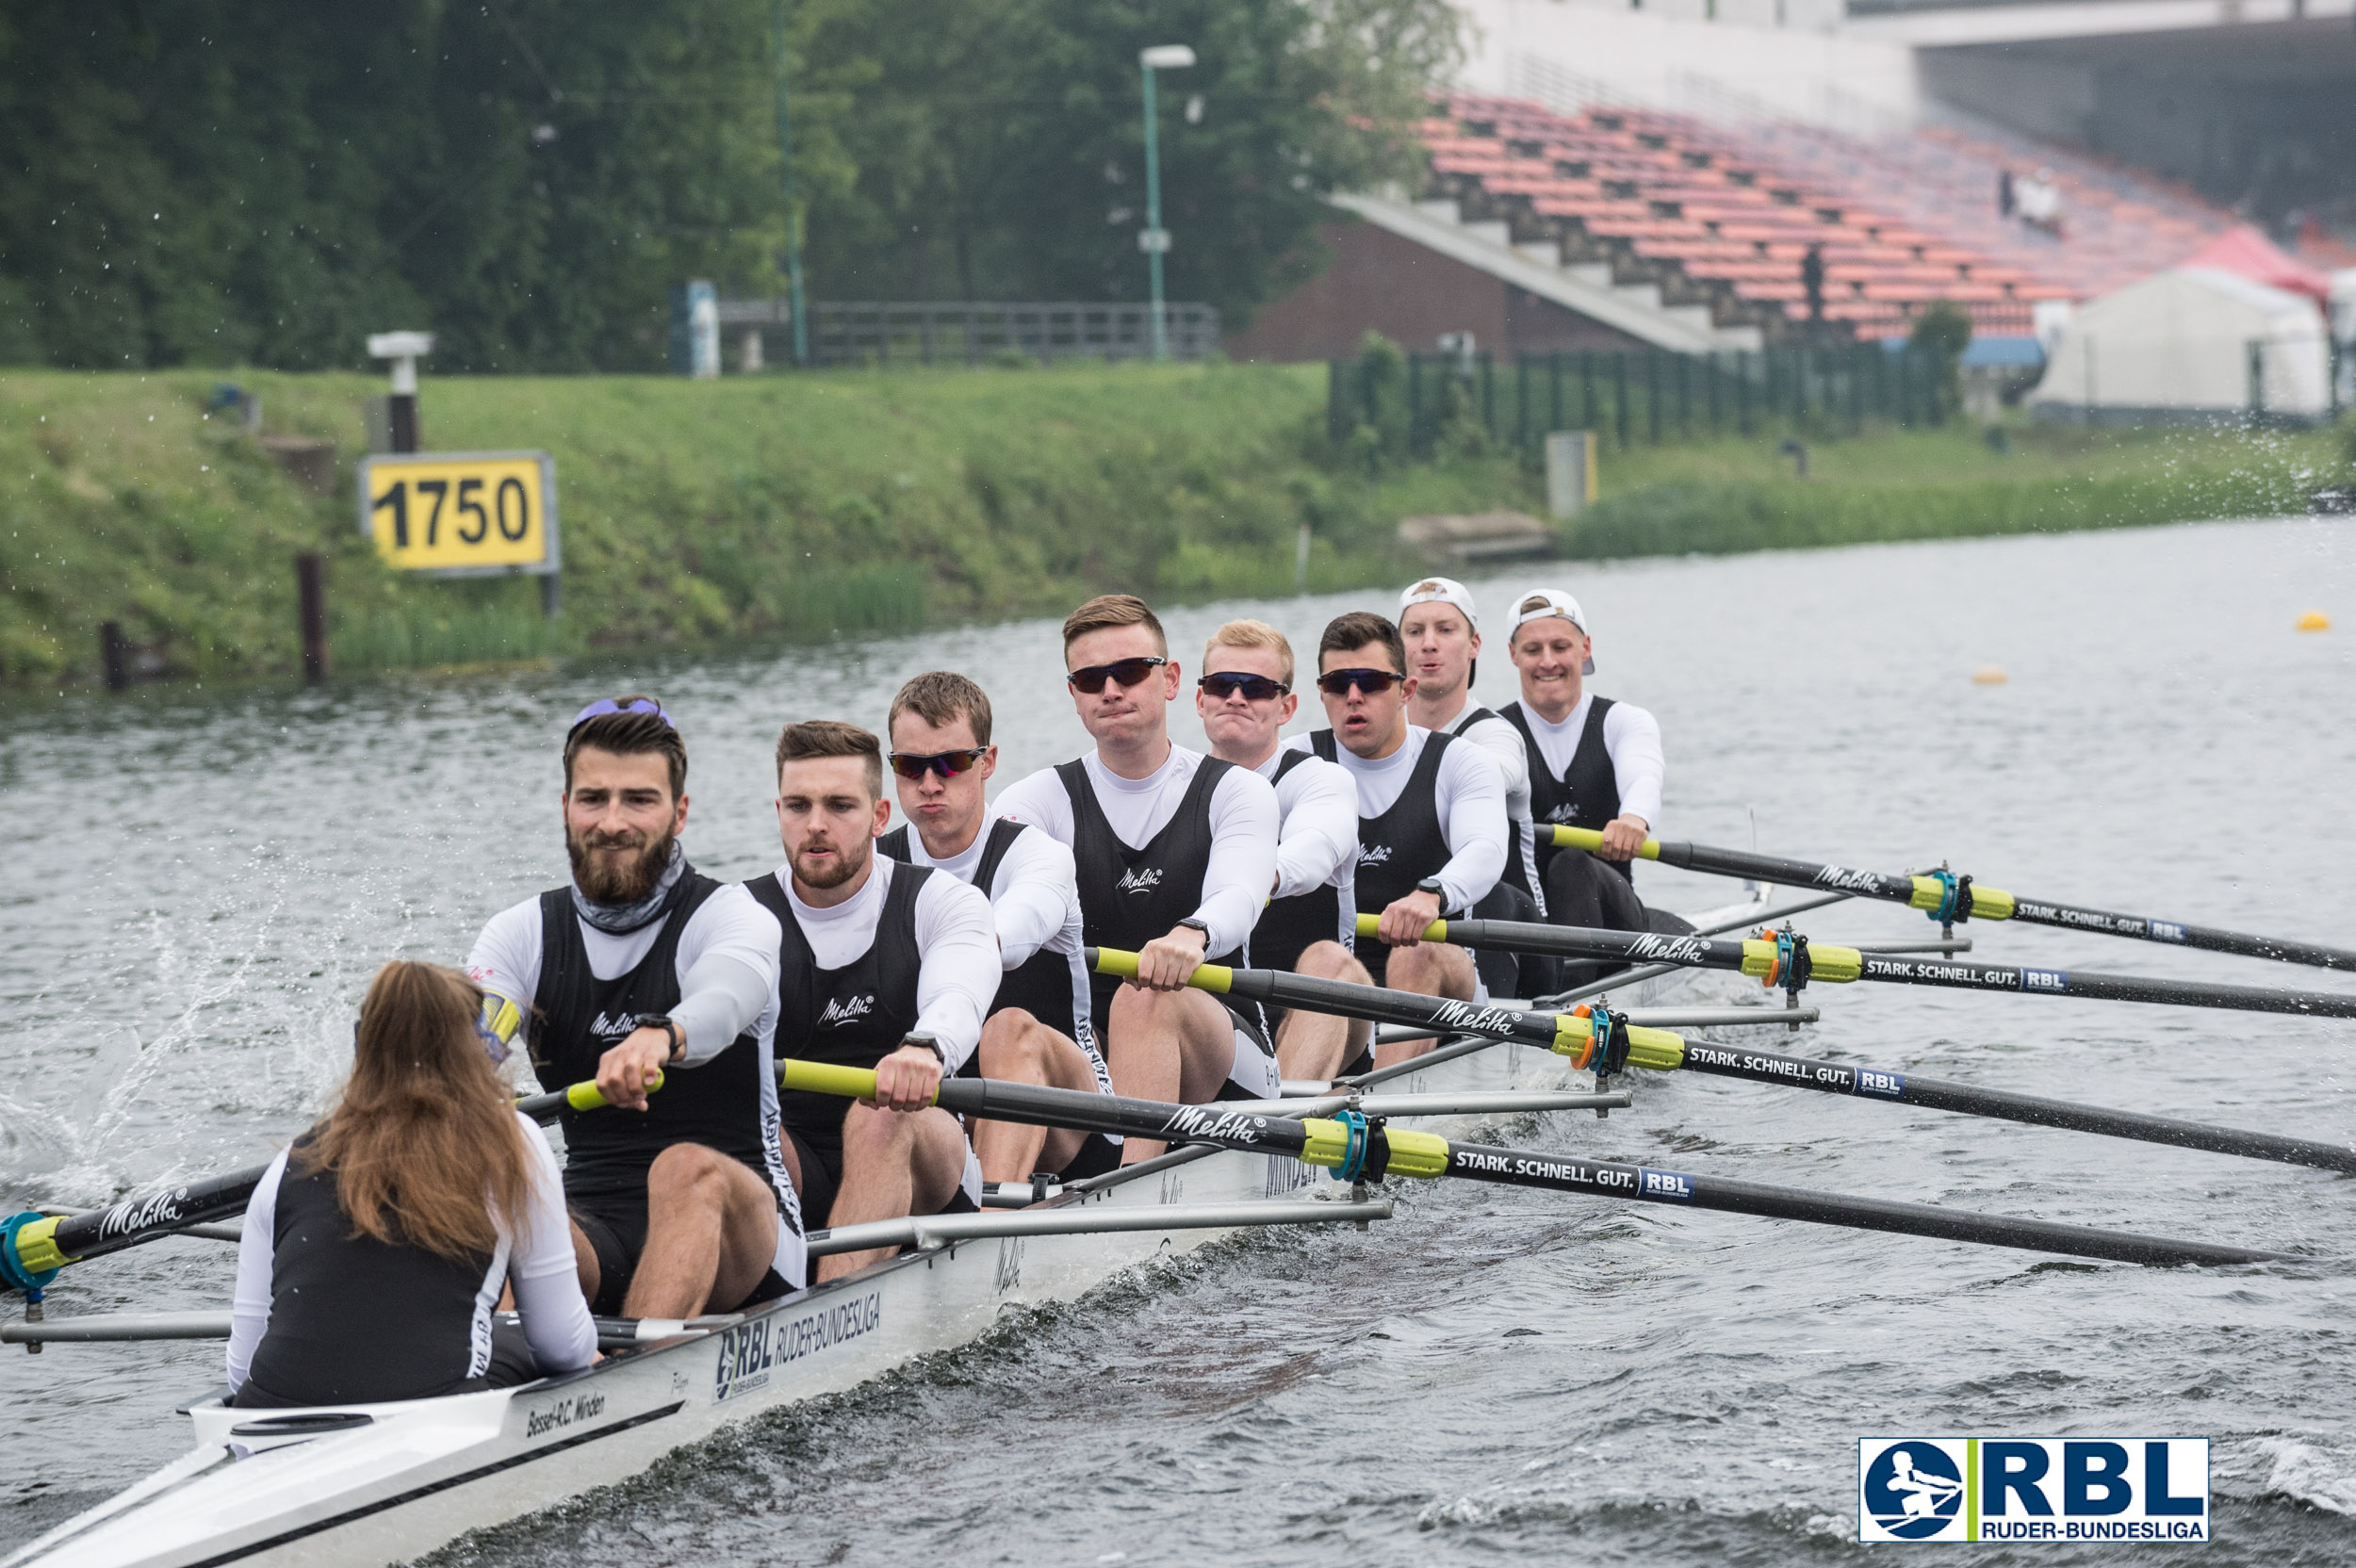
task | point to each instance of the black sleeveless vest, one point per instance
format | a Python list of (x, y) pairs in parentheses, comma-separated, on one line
[(1130, 896), (578, 1017), (1587, 795), (354, 1320), (1042, 985), (1288, 926), (854, 1016), (1521, 854), (1400, 847)]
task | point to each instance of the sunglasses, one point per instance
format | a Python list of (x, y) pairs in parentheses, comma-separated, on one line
[(1256, 688), (1336, 683), (916, 764), (1128, 672), (603, 706)]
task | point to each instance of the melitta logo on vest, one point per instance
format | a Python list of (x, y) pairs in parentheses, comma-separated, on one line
[(605, 1026), (841, 1010), (1373, 854), (1564, 812), (1139, 879)]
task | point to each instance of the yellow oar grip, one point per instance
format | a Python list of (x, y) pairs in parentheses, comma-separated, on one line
[(1591, 840), (851, 1082), (1411, 1153), (1987, 903), (584, 1096), (1825, 962), (1660, 1050), (1206, 977), (37, 1247), (1371, 926)]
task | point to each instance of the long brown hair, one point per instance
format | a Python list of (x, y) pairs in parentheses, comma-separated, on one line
[(423, 1139)]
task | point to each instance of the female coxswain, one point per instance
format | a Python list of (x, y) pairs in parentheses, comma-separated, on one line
[(375, 1247)]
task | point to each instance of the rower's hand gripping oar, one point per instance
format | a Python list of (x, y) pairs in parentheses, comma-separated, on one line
[(1948, 899), (33, 1247), (1359, 1148)]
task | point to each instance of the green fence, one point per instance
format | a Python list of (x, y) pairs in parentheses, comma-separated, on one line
[(1411, 402)]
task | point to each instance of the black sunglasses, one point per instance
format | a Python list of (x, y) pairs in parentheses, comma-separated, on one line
[(1336, 683), (915, 764), (1128, 672), (1258, 688)]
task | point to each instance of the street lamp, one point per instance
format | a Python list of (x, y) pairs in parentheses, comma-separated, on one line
[(1155, 241)]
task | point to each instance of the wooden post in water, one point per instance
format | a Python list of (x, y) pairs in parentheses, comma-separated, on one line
[(111, 656), (311, 594)]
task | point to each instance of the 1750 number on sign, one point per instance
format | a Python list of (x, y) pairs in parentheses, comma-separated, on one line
[(462, 512)]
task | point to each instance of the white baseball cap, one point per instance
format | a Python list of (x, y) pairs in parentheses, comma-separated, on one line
[(1439, 590), (1544, 603)]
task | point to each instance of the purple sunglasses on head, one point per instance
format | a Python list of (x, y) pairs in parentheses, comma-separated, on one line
[(603, 706)]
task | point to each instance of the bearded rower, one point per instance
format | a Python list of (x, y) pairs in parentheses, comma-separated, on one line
[(680, 1203), (1431, 836), (1038, 1030), (1441, 634), (883, 965), (1175, 852), (1593, 763), (1244, 697)]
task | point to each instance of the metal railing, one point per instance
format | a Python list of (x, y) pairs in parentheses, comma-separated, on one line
[(964, 332)]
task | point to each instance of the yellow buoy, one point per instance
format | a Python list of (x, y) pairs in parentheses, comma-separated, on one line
[(2315, 620), (1988, 675)]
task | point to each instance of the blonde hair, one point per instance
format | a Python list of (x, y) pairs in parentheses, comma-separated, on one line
[(1252, 634), (1107, 610)]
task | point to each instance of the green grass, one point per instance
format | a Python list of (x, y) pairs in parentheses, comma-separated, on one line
[(808, 506)]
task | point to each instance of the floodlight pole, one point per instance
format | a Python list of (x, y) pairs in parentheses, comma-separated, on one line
[(793, 208), (1155, 241)]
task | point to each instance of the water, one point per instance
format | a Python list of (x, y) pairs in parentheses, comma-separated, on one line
[(204, 883)]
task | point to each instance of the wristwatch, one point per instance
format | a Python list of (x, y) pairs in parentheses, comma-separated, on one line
[(1432, 884), (928, 1043), (1192, 923), (663, 1021)]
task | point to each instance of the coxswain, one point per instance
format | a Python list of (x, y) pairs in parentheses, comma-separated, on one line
[(1245, 698), (1442, 633), (682, 1202), (377, 1245), (1038, 1030), (1431, 831), (1175, 852), (884, 965), (1593, 763)]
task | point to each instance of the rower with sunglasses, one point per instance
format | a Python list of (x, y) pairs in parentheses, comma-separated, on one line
[(1244, 697), (1175, 852), (682, 1203), (1038, 1030), (1431, 826)]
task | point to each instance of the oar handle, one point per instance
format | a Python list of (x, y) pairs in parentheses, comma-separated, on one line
[(1115, 962), (1591, 839), (851, 1082)]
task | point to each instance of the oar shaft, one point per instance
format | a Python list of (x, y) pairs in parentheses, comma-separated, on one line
[(1371, 1003)]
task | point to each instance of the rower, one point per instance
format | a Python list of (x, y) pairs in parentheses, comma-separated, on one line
[(1175, 852), (1038, 1030), (1441, 634), (682, 1203), (1244, 697), (884, 965), (376, 1247), (1432, 833), (1593, 763)]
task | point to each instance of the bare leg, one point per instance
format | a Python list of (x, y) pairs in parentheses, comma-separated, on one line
[(1426, 969), (1166, 1045), (1315, 1045), (1018, 1049), (894, 1163), (712, 1232), (585, 1264)]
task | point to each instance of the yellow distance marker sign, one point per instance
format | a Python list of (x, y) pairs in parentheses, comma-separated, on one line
[(462, 514)]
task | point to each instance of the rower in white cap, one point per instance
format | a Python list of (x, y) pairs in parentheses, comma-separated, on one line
[(1437, 622), (1594, 762)]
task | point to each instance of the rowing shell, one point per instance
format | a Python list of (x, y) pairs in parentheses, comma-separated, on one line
[(355, 1484)]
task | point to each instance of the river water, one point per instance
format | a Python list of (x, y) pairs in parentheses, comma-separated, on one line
[(205, 881)]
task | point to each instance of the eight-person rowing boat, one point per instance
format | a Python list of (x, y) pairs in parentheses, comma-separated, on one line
[(841, 1115)]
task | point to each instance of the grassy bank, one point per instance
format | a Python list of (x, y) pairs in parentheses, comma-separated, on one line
[(797, 507)]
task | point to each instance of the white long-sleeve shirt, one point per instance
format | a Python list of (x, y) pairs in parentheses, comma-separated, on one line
[(1468, 798), (1503, 743), (957, 947), (1243, 821), (1632, 737), (728, 967), (1316, 802), (1036, 903), (547, 1287)]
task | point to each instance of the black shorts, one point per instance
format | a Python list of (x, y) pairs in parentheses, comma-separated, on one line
[(615, 1226), (822, 1178)]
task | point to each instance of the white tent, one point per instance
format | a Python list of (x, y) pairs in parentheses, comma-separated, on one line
[(2189, 344)]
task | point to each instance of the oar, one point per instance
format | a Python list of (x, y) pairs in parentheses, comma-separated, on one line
[(1573, 1035), (33, 1247), (1946, 897), (1792, 962), (1357, 1149)]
